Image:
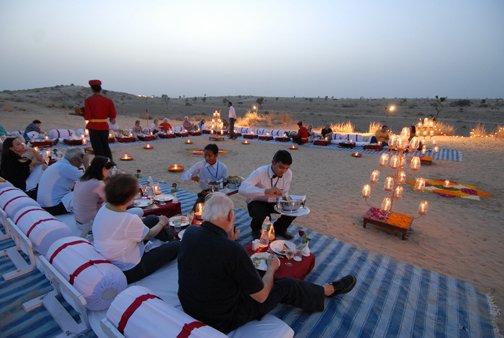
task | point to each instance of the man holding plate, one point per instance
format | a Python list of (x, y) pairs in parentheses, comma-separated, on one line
[(263, 188)]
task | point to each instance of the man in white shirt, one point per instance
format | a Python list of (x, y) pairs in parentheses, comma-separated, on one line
[(55, 192), (263, 188), (232, 120), (204, 171)]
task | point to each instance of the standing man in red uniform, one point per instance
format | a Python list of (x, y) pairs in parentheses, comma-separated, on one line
[(98, 109)]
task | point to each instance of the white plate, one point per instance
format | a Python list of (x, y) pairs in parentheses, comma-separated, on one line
[(163, 198), (142, 202), (299, 212), (278, 246), (183, 220), (181, 234), (259, 260)]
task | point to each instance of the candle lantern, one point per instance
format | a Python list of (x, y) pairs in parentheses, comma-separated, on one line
[(394, 162), (293, 147), (156, 189), (375, 174), (401, 177), (423, 207), (36, 149), (386, 204), (424, 149), (46, 138), (126, 157), (86, 132), (436, 149), (415, 163), (384, 158), (405, 133), (446, 183), (419, 184), (366, 191), (176, 168), (389, 183), (148, 147), (188, 141), (198, 212), (414, 143), (398, 191)]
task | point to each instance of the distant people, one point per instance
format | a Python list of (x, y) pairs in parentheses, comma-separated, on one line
[(187, 124), (55, 193), (137, 128), (382, 136), (302, 134), (219, 285), (206, 170), (119, 236), (311, 133), (32, 127), (3, 132), (263, 188), (15, 166), (165, 126), (201, 124), (154, 126), (232, 120), (98, 109), (327, 132), (89, 191)]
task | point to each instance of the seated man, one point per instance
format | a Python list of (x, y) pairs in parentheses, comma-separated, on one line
[(34, 126), (263, 188), (327, 132), (58, 180), (219, 285), (165, 125), (381, 136), (204, 171), (302, 135)]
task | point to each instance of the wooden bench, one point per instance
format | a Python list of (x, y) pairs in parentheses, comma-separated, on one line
[(393, 222)]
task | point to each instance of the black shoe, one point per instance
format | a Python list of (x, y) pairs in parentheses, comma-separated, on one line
[(343, 285), (286, 235), (256, 234)]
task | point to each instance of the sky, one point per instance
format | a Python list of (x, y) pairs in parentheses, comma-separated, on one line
[(286, 48)]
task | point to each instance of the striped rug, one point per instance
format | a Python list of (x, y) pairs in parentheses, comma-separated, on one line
[(391, 298)]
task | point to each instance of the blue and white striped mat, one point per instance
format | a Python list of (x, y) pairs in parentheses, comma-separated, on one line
[(391, 298)]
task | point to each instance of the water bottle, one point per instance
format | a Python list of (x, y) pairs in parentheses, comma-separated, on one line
[(265, 238)]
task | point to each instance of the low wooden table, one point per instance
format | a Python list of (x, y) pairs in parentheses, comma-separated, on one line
[(426, 160), (346, 145), (373, 147), (44, 143), (394, 222), (169, 209), (321, 142), (216, 137), (166, 135), (265, 137), (146, 137), (250, 136), (282, 139), (126, 139)]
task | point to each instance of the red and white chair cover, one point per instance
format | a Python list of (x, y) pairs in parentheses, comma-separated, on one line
[(61, 134), (96, 278), (13, 199), (41, 228), (138, 312)]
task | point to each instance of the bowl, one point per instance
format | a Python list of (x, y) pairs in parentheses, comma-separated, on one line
[(292, 203)]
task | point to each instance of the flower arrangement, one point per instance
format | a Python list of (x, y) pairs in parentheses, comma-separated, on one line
[(304, 238)]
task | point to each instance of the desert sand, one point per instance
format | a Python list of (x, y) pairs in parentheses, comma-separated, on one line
[(459, 237)]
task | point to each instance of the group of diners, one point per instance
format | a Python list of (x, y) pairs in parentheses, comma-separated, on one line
[(218, 283)]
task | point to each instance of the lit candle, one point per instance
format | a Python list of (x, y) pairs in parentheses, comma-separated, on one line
[(423, 207), (389, 183), (86, 132), (415, 163), (48, 153), (375, 174), (446, 183), (126, 157), (366, 191), (188, 141), (419, 184), (110, 135), (384, 158), (424, 149), (245, 142), (386, 204), (414, 143), (156, 189), (46, 138), (148, 146), (198, 213), (436, 149), (84, 141), (394, 161), (293, 147), (398, 191), (36, 149), (401, 177)]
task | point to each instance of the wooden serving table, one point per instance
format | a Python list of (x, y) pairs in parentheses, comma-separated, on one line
[(250, 136), (166, 135), (146, 137), (393, 222), (265, 137), (282, 139), (72, 142), (296, 269), (426, 160), (183, 134), (346, 145), (321, 142), (195, 133), (44, 143), (126, 139), (169, 209), (373, 147)]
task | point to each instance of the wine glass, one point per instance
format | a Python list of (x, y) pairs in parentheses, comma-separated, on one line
[(290, 255)]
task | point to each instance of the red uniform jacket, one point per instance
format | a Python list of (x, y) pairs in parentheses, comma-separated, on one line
[(98, 109)]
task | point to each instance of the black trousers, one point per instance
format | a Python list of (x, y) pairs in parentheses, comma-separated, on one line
[(298, 293), (99, 142), (231, 127), (58, 209), (258, 210), (156, 258)]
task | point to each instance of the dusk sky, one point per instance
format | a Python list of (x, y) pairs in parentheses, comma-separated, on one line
[(345, 49)]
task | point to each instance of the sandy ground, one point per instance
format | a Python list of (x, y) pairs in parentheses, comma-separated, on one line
[(459, 237)]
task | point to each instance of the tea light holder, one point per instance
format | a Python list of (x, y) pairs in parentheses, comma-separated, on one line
[(188, 141), (148, 147), (156, 189), (176, 168), (293, 147), (446, 183), (126, 157), (198, 212), (357, 154), (246, 142)]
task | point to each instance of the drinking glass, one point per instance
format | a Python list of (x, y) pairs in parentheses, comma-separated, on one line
[(290, 255)]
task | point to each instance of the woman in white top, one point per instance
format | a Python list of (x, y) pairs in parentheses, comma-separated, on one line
[(119, 236), (89, 191)]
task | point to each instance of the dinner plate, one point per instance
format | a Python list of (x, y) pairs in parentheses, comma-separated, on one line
[(303, 211), (279, 248), (260, 260), (181, 234), (184, 221), (163, 198), (142, 202)]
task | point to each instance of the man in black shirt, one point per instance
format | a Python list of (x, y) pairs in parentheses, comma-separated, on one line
[(218, 284)]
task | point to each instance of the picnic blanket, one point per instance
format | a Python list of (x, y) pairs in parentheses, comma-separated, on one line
[(453, 190), (391, 298)]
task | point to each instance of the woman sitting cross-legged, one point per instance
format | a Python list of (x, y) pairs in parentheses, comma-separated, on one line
[(119, 236)]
